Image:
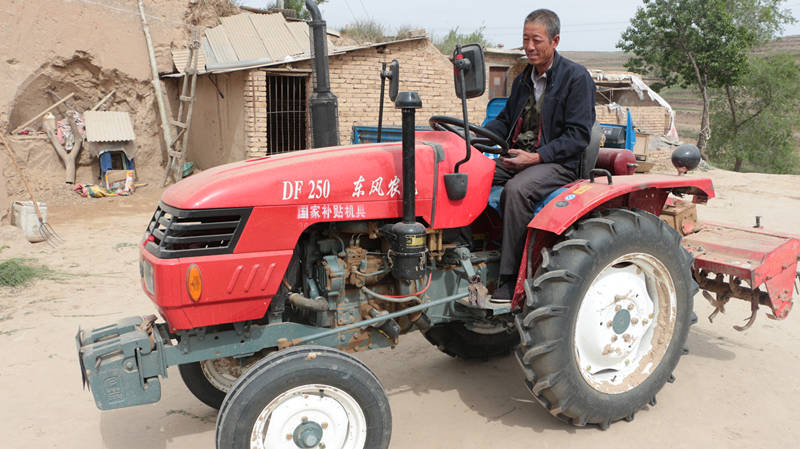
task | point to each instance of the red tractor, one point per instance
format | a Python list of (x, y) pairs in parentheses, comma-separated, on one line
[(269, 272)]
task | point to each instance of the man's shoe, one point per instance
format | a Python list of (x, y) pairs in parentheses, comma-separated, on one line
[(504, 292)]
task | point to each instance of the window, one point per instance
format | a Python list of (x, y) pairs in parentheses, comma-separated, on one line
[(287, 127)]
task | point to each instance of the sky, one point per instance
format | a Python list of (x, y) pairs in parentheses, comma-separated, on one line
[(586, 25)]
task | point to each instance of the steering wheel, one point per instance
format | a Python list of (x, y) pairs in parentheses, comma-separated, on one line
[(484, 140)]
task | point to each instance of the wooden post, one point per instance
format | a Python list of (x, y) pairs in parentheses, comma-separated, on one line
[(69, 159), (162, 110)]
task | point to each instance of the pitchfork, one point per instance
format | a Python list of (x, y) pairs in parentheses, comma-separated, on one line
[(46, 231)]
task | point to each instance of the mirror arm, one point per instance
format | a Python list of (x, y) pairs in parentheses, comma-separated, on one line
[(463, 105), (384, 75)]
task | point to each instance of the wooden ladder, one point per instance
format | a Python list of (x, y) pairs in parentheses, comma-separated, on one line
[(177, 148)]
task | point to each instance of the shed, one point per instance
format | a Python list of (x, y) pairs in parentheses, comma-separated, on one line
[(253, 93), (618, 92), (108, 131)]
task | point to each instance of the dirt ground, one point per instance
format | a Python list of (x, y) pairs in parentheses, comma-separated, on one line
[(734, 390)]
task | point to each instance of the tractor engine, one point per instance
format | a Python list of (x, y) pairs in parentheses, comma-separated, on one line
[(343, 273)]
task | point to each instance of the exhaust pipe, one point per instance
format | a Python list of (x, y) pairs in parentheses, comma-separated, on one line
[(324, 105)]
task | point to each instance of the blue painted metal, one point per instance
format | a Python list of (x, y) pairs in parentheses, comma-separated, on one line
[(630, 132), (497, 191), (369, 134), (122, 362), (493, 108)]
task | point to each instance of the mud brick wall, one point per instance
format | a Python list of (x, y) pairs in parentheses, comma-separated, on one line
[(648, 119)]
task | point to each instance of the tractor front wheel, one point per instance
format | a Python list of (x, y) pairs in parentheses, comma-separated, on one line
[(306, 397), (606, 317)]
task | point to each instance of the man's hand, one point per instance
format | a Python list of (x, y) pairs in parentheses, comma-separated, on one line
[(520, 160)]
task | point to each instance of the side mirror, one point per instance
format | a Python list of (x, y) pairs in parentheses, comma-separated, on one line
[(394, 79), (469, 60)]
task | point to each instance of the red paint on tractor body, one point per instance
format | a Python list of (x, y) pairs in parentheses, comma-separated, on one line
[(648, 192), (289, 193)]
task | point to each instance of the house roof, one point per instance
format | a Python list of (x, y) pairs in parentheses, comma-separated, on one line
[(108, 126), (247, 41), (505, 51)]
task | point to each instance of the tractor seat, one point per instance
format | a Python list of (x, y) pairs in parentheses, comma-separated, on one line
[(588, 161)]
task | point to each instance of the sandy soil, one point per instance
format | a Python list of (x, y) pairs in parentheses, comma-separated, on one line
[(733, 390)]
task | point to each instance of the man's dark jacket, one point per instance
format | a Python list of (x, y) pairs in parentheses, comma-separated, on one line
[(567, 111)]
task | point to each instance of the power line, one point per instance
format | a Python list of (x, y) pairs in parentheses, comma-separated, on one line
[(365, 9), (346, 3)]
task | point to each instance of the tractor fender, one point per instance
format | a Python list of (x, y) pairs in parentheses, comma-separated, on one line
[(646, 192)]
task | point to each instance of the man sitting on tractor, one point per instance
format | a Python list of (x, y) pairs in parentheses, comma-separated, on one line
[(547, 122)]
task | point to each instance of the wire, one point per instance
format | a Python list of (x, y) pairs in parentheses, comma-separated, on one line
[(346, 3), (395, 298), (430, 276)]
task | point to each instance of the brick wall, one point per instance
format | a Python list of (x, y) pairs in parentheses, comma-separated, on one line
[(649, 119), (355, 80), (255, 113)]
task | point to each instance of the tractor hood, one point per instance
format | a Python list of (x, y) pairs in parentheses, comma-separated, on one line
[(355, 179)]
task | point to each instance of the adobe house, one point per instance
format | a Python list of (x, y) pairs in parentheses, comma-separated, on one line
[(255, 82)]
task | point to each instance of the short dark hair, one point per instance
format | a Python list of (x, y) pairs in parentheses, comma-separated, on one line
[(547, 18)]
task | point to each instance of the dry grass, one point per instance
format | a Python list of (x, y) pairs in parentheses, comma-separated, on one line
[(20, 271)]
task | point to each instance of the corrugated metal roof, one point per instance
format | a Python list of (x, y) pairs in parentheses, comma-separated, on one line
[(244, 38), (220, 45), (272, 29), (247, 41), (108, 126)]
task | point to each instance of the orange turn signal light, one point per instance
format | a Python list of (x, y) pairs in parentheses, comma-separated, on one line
[(194, 282)]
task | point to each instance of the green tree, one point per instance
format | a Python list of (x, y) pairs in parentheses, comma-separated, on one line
[(447, 43), (755, 120), (704, 43), (298, 5)]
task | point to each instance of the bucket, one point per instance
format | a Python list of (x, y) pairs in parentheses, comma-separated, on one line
[(25, 218)]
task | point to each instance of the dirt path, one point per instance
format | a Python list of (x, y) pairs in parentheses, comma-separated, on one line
[(733, 390)]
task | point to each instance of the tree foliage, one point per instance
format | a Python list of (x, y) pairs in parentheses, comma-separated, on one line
[(448, 42), (298, 5), (704, 43), (755, 121)]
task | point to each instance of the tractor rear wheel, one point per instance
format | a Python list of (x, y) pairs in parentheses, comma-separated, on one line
[(306, 397), (473, 340), (606, 317)]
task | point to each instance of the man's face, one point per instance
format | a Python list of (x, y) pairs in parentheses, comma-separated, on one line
[(537, 44)]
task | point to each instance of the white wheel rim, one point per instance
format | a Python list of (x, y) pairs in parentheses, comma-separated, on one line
[(625, 323), (340, 418)]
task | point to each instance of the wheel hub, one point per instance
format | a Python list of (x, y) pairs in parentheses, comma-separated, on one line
[(308, 434), (621, 321)]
